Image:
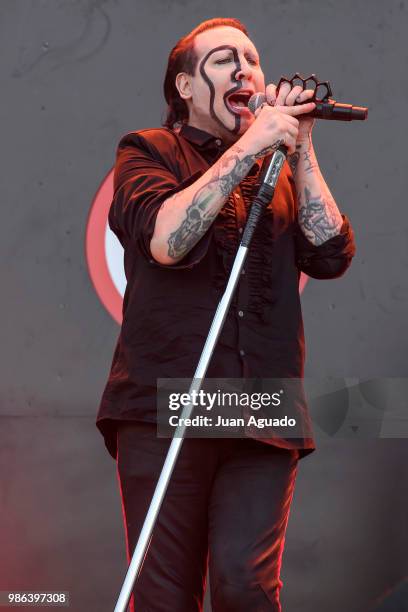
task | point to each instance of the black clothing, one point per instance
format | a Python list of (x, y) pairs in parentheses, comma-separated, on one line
[(167, 310), (229, 498)]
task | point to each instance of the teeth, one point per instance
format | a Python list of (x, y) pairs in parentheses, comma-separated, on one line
[(239, 103)]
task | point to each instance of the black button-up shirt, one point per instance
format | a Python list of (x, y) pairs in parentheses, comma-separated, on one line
[(167, 310)]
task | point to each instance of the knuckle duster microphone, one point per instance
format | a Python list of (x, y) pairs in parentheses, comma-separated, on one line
[(329, 110), (272, 164)]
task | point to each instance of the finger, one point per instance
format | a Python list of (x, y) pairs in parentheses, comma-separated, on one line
[(290, 143), (258, 110), (270, 92), (293, 131), (294, 111), (293, 94), (282, 93), (305, 95), (291, 134), (269, 110), (291, 120)]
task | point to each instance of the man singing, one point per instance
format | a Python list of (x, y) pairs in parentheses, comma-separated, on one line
[(180, 204)]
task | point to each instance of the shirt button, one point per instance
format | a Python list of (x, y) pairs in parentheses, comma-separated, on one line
[(242, 353), (240, 230), (240, 313), (218, 142), (242, 271)]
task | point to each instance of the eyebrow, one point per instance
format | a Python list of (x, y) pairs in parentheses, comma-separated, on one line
[(253, 53), (246, 52)]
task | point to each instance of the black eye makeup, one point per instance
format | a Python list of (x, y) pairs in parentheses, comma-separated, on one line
[(251, 59), (224, 60), (225, 54)]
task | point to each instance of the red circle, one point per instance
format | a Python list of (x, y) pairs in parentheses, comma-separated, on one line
[(95, 249)]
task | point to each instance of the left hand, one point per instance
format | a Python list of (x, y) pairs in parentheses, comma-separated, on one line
[(287, 96)]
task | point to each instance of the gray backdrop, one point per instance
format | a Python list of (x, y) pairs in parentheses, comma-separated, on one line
[(76, 75)]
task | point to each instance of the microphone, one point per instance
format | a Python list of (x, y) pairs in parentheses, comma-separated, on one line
[(268, 177), (329, 110)]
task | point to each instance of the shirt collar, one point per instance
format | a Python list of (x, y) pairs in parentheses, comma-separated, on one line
[(209, 143), (200, 138)]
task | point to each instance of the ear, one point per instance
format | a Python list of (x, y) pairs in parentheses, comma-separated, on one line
[(184, 86)]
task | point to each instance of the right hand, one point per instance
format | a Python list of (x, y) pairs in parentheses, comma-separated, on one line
[(273, 123)]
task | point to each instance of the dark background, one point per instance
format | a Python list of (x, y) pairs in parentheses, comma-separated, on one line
[(76, 75)]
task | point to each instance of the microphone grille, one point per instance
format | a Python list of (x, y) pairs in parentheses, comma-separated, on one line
[(255, 101)]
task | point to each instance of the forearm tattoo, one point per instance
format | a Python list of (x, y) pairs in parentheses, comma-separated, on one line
[(318, 218), (309, 163), (199, 216), (293, 161), (198, 220)]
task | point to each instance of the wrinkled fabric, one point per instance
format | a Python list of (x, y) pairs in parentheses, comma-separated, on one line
[(168, 310), (227, 500)]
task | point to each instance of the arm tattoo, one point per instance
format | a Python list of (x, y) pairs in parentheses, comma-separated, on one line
[(225, 178), (293, 159), (293, 162), (318, 218), (196, 223), (318, 215), (309, 164)]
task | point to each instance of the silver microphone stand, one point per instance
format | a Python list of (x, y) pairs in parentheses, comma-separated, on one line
[(271, 168)]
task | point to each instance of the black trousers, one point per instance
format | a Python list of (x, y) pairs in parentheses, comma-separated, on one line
[(227, 504)]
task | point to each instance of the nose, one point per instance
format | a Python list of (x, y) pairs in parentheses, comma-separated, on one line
[(245, 70)]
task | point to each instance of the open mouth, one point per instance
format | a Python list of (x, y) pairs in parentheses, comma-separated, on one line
[(237, 102)]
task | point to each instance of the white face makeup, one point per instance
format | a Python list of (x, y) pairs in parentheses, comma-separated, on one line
[(227, 75)]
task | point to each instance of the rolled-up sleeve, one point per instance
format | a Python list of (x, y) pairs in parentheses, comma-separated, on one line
[(142, 182), (328, 260)]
